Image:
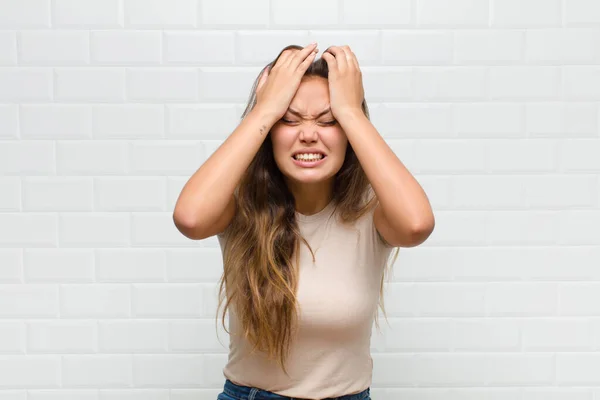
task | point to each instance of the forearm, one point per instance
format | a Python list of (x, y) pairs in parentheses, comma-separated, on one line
[(403, 200), (213, 184)]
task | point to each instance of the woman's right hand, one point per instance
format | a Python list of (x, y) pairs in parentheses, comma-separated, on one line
[(278, 85)]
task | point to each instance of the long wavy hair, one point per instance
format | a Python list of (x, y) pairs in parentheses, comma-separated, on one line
[(260, 273)]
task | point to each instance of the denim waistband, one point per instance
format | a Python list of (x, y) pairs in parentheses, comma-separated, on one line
[(250, 393)]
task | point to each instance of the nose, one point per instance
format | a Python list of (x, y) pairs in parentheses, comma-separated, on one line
[(309, 134)]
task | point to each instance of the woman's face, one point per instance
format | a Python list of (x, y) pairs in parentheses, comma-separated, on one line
[(309, 130)]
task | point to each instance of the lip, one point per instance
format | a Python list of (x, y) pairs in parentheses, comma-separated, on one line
[(309, 164), (309, 150)]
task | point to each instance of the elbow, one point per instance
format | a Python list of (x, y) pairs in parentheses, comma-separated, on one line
[(421, 232)]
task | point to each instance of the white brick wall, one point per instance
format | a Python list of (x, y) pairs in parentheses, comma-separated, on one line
[(108, 106)]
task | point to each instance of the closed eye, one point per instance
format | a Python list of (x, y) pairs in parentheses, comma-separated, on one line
[(327, 123)]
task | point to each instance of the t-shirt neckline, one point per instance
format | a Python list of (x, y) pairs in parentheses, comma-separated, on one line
[(318, 215)]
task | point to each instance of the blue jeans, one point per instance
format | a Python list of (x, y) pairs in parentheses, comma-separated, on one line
[(231, 391)]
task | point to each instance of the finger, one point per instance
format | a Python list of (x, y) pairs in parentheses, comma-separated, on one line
[(351, 57), (306, 63), (263, 79), (340, 57), (331, 61), (301, 55)]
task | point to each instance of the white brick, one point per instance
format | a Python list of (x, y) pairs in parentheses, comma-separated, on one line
[(12, 337), (153, 229), (54, 48), (235, 13), (579, 155), (8, 48), (87, 13), (9, 121), (579, 299), (522, 228), (97, 371), (130, 265), (25, 14), (10, 187), (562, 120), (563, 46), (561, 191), (160, 13), (56, 121), (131, 121), (198, 336), (387, 84), (530, 83), (167, 301), (91, 157), (61, 337), (485, 334), (417, 48), (94, 230), (418, 120), (133, 336), (63, 394), (12, 265), (525, 155), (57, 194), (95, 301), (577, 368), (526, 13), (582, 13), (126, 47), (25, 84), (58, 265), (130, 194), (431, 156), (424, 334), (489, 46), (89, 84), (205, 48), (27, 157), (303, 13), (226, 84), (261, 47), (580, 227), (520, 369), (377, 13), (167, 158), (194, 265), (204, 121), (443, 84), (489, 120), (556, 334), (29, 371), (459, 228), (488, 192), (522, 299), (148, 85), (168, 370), (462, 13), (31, 300), (28, 230), (581, 82), (137, 394)]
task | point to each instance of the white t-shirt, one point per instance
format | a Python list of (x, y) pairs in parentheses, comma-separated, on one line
[(338, 297)]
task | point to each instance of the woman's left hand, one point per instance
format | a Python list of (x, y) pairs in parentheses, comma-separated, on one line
[(346, 92)]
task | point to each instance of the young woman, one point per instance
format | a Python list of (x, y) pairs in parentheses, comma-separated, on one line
[(307, 201)]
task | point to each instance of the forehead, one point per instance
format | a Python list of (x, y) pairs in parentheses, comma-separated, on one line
[(312, 96)]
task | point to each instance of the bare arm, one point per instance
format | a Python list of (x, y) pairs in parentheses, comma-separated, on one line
[(206, 204)]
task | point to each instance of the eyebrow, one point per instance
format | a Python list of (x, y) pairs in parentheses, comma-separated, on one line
[(326, 111)]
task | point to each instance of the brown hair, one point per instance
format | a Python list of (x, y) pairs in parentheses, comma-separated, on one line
[(259, 274)]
